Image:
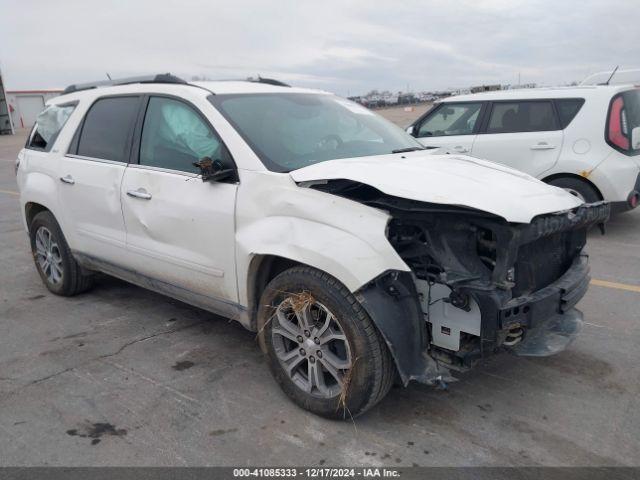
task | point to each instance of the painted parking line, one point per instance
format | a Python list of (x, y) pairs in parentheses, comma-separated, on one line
[(10, 192), (616, 285)]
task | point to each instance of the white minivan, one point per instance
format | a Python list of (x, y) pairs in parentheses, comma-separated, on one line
[(359, 258), (584, 139)]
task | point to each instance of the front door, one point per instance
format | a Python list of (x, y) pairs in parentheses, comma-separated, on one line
[(451, 127), (524, 135), (180, 230)]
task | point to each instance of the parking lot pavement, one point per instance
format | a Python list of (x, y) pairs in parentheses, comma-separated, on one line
[(122, 376), (404, 116)]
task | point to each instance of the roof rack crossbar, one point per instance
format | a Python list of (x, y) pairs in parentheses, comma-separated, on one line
[(159, 78), (268, 81)]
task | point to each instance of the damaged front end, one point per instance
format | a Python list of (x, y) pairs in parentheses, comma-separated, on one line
[(478, 284)]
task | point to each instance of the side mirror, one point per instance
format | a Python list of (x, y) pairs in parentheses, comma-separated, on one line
[(411, 129), (635, 138), (213, 170)]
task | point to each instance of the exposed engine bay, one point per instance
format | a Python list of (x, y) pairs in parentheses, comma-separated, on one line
[(479, 282)]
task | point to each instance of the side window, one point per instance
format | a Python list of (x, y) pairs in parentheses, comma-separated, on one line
[(568, 108), (511, 117), (175, 136), (108, 128), (48, 125), (450, 119)]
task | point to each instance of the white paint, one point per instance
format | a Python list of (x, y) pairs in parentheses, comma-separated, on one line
[(581, 146), (543, 154), (450, 180)]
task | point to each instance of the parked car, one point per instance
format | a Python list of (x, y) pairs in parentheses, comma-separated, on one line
[(358, 258), (584, 139)]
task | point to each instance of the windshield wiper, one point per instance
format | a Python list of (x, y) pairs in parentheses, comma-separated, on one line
[(408, 149)]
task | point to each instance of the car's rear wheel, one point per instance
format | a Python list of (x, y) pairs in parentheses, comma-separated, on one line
[(579, 188), (58, 269), (322, 347)]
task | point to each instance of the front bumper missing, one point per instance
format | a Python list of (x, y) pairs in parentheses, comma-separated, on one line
[(552, 321), (559, 298), (551, 336), (546, 316)]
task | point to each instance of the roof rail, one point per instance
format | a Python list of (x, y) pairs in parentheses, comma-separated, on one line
[(159, 78), (268, 81)]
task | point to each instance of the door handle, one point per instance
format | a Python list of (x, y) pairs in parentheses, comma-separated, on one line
[(139, 193), (461, 149), (67, 179), (542, 146)]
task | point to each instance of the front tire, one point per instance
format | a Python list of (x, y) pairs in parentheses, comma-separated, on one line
[(321, 346), (58, 269)]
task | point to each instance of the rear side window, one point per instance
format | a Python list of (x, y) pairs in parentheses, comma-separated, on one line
[(107, 129), (531, 116), (175, 136), (48, 125), (450, 119), (568, 108), (623, 117)]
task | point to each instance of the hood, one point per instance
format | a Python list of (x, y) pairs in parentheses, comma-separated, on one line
[(449, 180)]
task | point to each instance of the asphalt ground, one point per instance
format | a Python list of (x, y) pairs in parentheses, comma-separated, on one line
[(124, 376)]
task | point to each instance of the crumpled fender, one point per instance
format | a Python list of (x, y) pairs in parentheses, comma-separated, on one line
[(339, 253), (338, 236)]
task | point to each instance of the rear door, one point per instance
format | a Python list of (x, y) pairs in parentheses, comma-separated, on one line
[(523, 134), (90, 175), (451, 126), (181, 230)]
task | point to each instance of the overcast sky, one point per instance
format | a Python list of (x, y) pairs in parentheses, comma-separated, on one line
[(347, 47)]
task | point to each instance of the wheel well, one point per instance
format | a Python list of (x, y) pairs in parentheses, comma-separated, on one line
[(574, 177), (262, 270), (31, 209)]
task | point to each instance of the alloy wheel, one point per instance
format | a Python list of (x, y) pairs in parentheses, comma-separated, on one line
[(311, 347), (48, 255)]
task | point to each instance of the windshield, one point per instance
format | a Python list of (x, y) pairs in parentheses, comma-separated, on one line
[(293, 130)]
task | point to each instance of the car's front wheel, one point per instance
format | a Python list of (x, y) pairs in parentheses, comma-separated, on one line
[(58, 269), (322, 347)]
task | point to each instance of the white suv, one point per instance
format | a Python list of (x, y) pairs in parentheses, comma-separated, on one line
[(584, 139), (358, 258)]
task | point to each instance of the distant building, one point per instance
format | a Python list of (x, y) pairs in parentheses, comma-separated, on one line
[(25, 105), (519, 87), (485, 88)]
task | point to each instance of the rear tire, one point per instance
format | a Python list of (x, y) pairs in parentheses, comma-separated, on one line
[(310, 324), (58, 269), (579, 188)]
